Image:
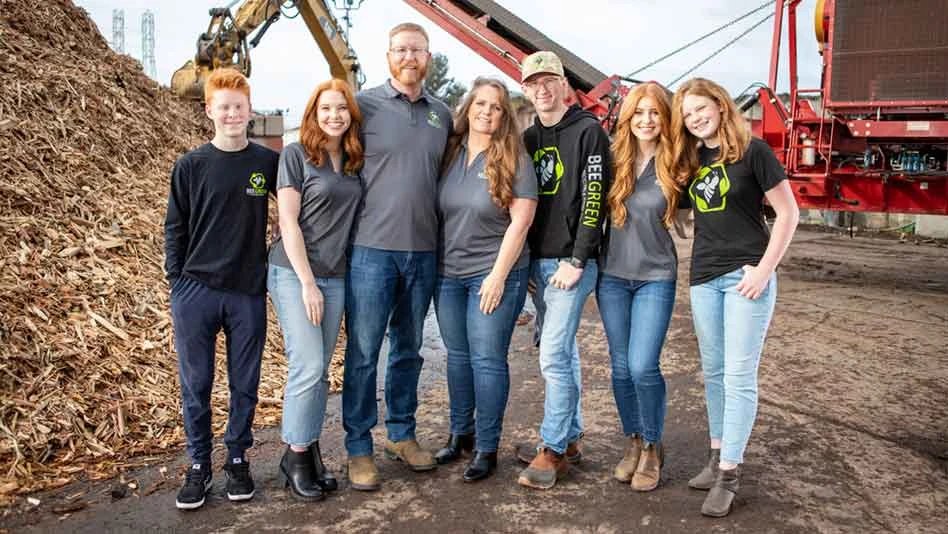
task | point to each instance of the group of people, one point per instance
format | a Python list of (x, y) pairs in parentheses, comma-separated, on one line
[(389, 202)]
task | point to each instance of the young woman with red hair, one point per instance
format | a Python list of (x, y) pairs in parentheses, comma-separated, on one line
[(733, 263), (318, 194), (638, 272)]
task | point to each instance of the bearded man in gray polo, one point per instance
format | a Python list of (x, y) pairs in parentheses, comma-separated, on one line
[(393, 264)]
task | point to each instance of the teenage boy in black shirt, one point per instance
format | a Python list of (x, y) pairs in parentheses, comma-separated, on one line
[(216, 260)]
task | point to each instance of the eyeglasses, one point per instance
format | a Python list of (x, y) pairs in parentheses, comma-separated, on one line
[(547, 82), (403, 52)]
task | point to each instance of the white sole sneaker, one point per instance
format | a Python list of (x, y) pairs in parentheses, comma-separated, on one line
[(244, 497), (194, 505)]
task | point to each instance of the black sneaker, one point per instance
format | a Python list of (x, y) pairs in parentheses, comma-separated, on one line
[(239, 481), (196, 485)]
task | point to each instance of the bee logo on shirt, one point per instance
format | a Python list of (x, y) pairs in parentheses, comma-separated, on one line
[(709, 189), (434, 120), (549, 169), (258, 185)]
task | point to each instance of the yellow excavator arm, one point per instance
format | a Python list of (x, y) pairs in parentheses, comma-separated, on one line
[(225, 44)]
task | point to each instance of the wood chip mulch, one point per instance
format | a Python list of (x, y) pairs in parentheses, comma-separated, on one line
[(88, 374)]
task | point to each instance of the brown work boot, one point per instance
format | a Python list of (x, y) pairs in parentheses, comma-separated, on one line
[(649, 470), (411, 453), (363, 475), (705, 479), (720, 499), (527, 453), (544, 470), (630, 460)]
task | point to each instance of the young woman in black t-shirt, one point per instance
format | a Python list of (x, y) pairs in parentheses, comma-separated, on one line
[(727, 176)]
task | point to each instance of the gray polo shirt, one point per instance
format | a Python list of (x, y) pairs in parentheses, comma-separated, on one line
[(328, 208), (404, 142), (643, 248), (472, 226)]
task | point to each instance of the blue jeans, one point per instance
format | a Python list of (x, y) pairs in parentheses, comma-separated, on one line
[(309, 350), (384, 289), (199, 313), (635, 315), (731, 331), (561, 312), (477, 344)]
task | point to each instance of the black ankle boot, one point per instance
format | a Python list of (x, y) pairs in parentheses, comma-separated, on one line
[(482, 466), (452, 450), (324, 479), (299, 474)]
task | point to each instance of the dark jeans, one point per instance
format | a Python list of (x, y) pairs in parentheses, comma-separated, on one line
[(384, 289), (635, 315), (199, 313), (477, 344)]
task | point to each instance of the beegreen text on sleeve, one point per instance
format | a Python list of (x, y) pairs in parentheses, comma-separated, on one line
[(595, 181)]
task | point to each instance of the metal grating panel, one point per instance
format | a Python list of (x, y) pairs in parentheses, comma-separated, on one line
[(885, 50)]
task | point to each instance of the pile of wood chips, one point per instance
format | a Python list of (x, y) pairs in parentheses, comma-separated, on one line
[(88, 374)]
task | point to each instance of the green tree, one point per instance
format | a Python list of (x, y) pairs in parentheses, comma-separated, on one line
[(438, 83)]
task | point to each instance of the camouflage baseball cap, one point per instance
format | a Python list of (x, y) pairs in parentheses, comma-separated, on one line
[(543, 61)]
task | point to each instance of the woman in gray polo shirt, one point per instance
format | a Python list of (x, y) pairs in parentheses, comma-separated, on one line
[(486, 201), (318, 193), (639, 267)]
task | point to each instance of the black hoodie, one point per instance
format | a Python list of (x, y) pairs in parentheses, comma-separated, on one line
[(574, 171)]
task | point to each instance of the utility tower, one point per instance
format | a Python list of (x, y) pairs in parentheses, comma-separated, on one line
[(118, 30), (148, 44)]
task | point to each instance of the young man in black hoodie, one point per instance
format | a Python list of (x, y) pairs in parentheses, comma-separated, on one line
[(571, 157), (216, 265)]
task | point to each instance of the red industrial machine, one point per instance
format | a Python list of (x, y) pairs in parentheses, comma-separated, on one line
[(876, 138)]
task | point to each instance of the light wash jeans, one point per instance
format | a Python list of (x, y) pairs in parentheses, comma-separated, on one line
[(635, 315), (559, 315), (477, 344), (308, 351), (731, 331)]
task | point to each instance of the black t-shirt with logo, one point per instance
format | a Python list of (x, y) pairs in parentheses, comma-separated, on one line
[(727, 200), (216, 226)]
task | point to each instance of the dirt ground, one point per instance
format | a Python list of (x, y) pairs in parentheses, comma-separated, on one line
[(851, 436)]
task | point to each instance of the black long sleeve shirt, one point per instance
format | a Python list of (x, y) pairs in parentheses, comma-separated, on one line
[(216, 226)]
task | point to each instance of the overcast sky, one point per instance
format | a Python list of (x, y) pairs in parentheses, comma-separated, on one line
[(617, 37)]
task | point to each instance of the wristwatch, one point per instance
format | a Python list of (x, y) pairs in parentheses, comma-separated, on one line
[(575, 262)]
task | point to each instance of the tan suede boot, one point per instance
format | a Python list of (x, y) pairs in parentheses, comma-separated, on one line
[(630, 459), (526, 453), (649, 471), (363, 475), (411, 453)]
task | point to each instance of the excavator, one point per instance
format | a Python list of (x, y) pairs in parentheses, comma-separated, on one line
[(872, 137), (225, 44)]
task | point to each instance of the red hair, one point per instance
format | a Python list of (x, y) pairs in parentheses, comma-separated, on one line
[(733, 134), (225, 79), (314, 139), (625, 148)]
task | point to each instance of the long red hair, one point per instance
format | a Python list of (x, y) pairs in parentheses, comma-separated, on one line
[(314, 139), (733, 134), (625, 148)]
